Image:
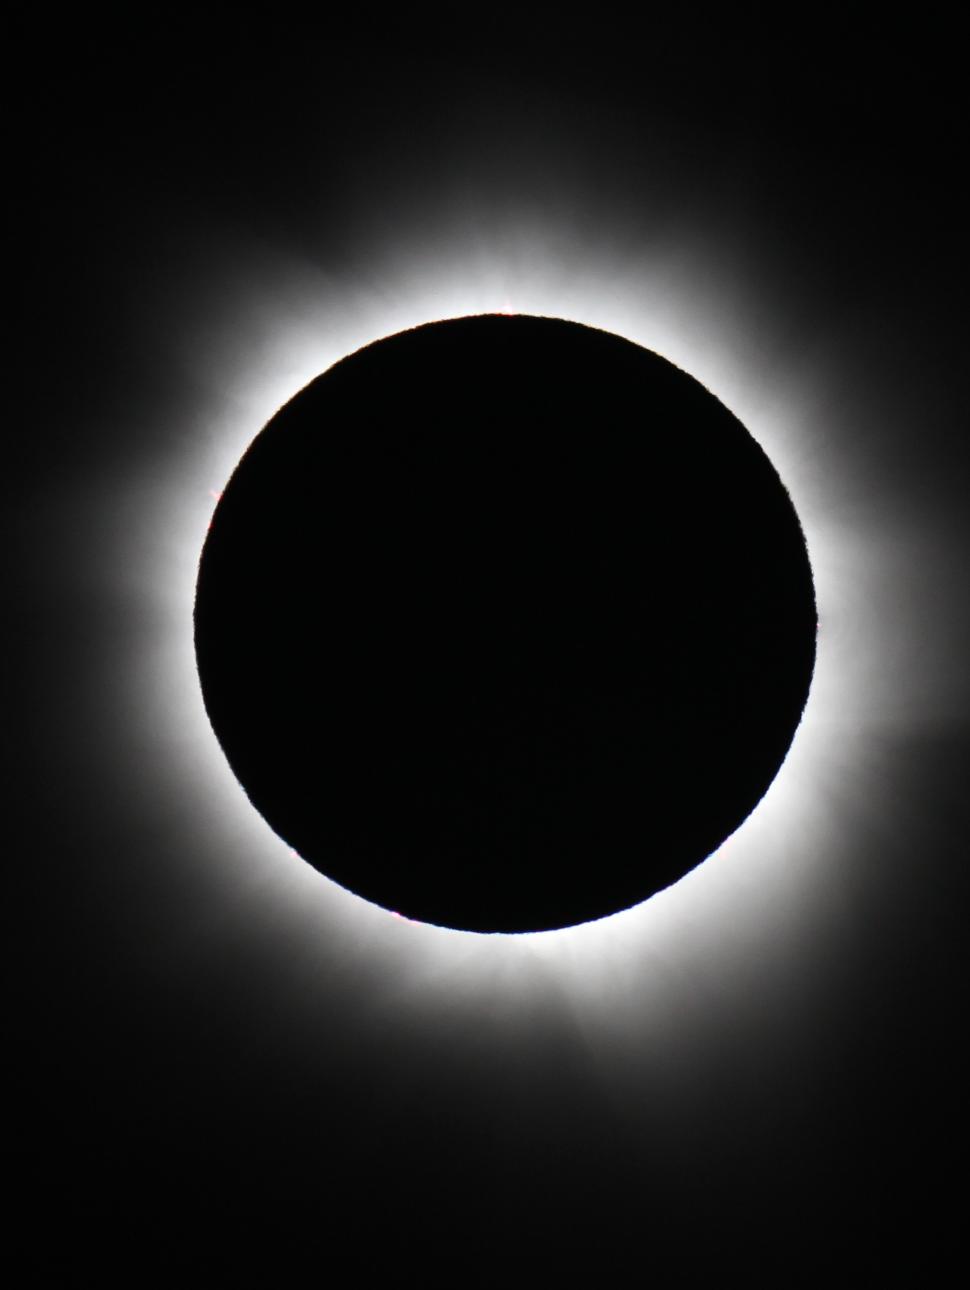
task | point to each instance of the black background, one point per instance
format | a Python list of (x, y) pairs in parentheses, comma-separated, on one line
[(172, 1060)]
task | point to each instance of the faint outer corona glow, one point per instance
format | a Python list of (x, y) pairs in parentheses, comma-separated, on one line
[(767, 882)]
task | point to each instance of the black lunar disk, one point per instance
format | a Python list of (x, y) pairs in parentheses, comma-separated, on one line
[(505, 623)]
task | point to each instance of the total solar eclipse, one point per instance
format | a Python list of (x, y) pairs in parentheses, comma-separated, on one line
[(505, 623)]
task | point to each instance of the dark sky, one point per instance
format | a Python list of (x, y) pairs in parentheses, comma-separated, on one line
[(194, 1038)]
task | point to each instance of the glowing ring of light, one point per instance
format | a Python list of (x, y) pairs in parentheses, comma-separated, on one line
[(771, 875)]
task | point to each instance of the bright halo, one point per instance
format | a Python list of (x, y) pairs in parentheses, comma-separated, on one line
[(763, 893)]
